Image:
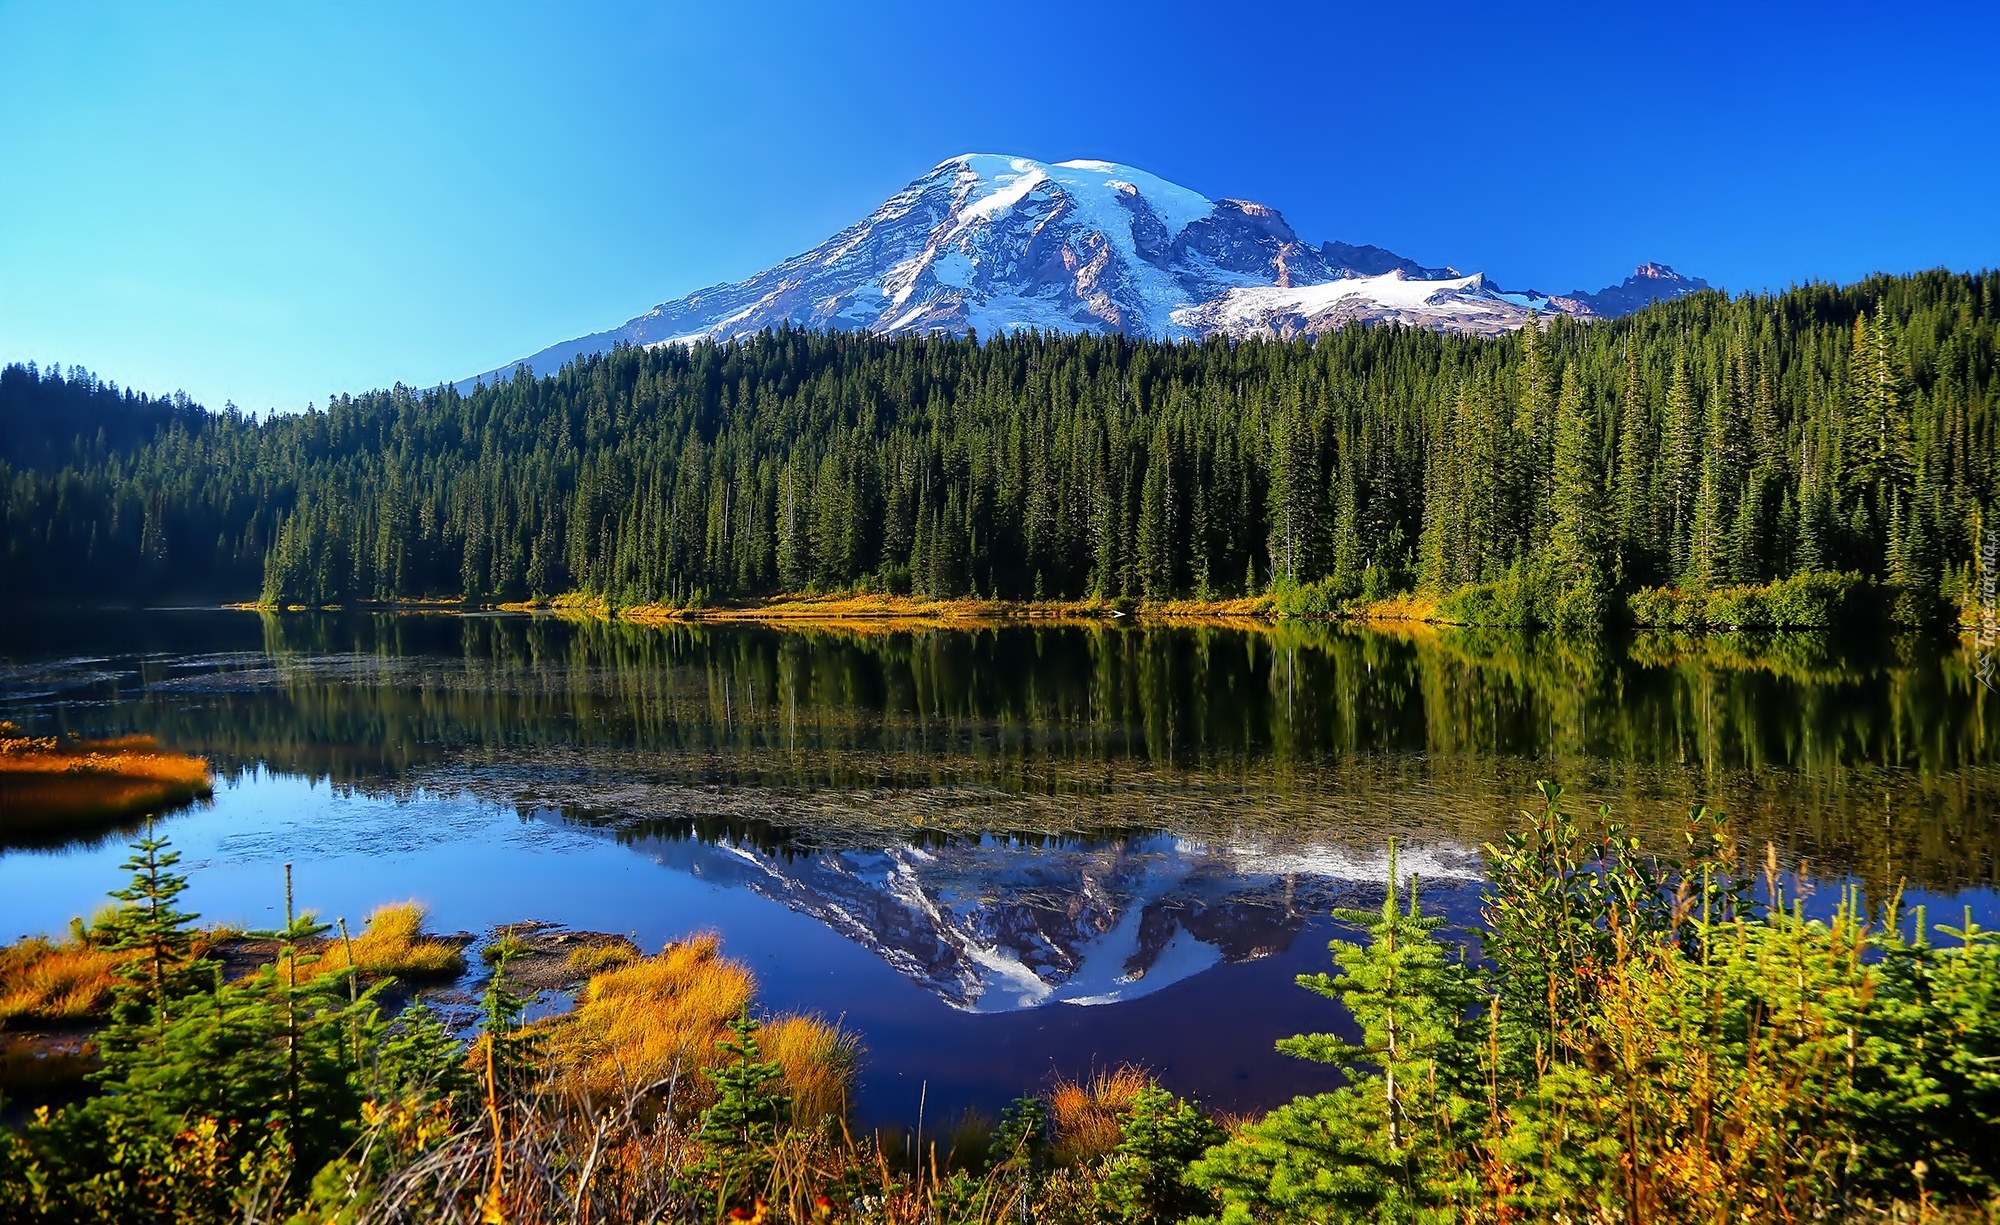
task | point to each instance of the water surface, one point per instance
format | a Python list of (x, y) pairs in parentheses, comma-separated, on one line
[(1000, 854)]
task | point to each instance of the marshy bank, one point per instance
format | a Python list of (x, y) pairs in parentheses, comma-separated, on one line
[(57, 992), (54, 789)]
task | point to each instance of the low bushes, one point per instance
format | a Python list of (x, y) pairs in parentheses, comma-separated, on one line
[(1803, 602)]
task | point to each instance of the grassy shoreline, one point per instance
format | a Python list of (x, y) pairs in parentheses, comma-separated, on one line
[(1815, 602), (49, 785), (849, 608)]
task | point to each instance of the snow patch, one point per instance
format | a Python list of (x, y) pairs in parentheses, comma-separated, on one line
[(953, 268), (1174, 205)]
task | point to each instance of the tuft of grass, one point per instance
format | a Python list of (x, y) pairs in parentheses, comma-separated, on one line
[(655, 1020), (393, 943), (969, 1141), (41, 981), (818, 1060), (637, 1024), (597, 958), (1084, 1115), (508, 945)]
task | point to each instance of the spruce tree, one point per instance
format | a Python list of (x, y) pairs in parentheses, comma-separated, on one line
[(1635, 473), (749, 1110), (1384, 1148), (162, 970), (1577, 540)]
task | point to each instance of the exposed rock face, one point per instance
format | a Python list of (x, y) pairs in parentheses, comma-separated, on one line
[(1649, 283), (995, 244)]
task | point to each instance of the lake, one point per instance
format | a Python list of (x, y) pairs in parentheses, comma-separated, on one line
[(1000, 854)]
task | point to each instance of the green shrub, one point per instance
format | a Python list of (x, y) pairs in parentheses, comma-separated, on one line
[(1318, 599), (1803, 602)]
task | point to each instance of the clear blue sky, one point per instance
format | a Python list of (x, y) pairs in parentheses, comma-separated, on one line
[(267, 202)]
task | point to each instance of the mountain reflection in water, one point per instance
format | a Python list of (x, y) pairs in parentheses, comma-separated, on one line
[(940, 834), (992, 926)]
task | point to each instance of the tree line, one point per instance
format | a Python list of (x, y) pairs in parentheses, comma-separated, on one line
[(1700, 444)]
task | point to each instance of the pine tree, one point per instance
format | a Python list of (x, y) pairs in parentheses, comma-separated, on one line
[(1635, 473), (1578, 545), (750, 1108), (1294, 494), (1680, 468), (1381, 1149), (163, 969)]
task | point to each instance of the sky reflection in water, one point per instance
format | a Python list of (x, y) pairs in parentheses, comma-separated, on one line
[(998, 854)]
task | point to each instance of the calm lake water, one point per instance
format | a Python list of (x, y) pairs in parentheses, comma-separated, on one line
[(998, 854)]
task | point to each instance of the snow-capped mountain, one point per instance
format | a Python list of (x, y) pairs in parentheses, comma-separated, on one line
[(993, 927), (998, 243)]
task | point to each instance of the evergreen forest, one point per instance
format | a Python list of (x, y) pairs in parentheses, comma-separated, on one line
[(1816, 446)]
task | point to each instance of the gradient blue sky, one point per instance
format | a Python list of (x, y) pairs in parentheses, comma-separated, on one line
[(265, 203)]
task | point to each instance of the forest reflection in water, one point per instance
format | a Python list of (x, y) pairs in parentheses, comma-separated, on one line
[(1869, 759), (947, 836)]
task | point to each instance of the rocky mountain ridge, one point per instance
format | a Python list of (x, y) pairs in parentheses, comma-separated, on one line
[(992, 243)]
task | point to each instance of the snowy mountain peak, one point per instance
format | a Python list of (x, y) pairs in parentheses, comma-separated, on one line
[(996, 243)]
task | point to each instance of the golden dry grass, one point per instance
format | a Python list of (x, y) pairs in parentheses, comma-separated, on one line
[(1233, 608), (818, 1061), (849, 608), (393, 943), (634, 1025), (134, 757), (46, 783), (1407, 607), (1084, 1115), (659, 1018), (41, 981), (597, 958)]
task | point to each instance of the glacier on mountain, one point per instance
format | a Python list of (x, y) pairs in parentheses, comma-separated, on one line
[(993, 244)]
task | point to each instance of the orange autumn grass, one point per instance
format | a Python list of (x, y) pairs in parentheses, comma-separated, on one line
[(47, 782), (44, 982), (1084, 1115), (391, 944), (656, 1020)]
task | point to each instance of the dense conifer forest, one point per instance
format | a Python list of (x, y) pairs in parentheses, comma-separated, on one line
[(1700, 445)]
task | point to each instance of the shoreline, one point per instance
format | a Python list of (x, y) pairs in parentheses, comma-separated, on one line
[(844, 609), (1407, 609)]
